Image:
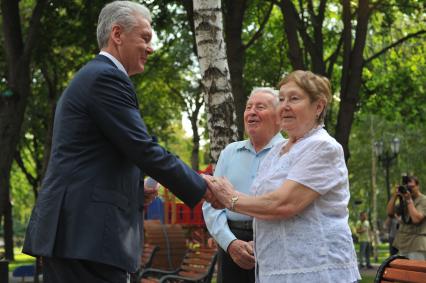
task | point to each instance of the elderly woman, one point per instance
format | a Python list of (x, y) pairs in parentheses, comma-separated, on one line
[(301, 193)]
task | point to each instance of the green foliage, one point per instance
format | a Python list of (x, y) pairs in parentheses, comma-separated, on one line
[(410, 159), (393, 93), (266, 61)]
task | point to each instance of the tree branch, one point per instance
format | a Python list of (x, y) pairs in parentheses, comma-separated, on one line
[(258, 33), (396, 43), (21, 165), (333, 57), (34, 28), (12, 31)]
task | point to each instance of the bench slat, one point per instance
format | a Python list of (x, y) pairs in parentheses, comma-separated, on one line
[(414, 265), (404, 275)]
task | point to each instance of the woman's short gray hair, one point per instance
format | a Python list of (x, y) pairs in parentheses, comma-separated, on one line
[(118, 12), (269, 90)]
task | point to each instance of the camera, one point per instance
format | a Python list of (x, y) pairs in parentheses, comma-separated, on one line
[(404, 188)]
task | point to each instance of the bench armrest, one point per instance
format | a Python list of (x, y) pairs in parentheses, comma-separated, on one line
[(384, 265), (171, 278), (154, 272)]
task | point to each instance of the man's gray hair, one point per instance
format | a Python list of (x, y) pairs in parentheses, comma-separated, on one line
[(121, 13), (269, 90)]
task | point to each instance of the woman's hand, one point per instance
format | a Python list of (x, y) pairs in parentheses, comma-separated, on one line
[(222, 189)]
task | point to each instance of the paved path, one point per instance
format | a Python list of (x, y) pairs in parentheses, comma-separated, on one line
[(369, 272)]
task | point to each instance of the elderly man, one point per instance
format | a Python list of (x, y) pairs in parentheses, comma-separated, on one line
[(410, 239), (87, 220), (239, 162)]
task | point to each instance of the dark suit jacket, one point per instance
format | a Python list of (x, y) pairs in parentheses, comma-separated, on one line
[(90, 203)]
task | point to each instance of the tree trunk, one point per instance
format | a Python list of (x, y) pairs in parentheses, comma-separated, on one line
[(234, 16), (215, 75), (12, 108), (373, 193), (8, 230), (352, 72), (295, 53)]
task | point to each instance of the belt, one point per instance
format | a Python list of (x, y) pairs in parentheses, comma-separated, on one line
[(241, 225)]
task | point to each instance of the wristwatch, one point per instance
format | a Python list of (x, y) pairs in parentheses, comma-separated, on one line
[(234, 200)]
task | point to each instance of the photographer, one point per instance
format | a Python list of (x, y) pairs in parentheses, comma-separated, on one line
[(410, 239)]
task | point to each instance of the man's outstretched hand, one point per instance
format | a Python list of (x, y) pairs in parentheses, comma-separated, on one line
[(210, 197)]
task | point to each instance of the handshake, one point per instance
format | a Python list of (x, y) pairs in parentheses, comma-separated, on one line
[(220, 193)]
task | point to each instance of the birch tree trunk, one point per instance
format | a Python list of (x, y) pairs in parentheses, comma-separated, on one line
[(221, 118)]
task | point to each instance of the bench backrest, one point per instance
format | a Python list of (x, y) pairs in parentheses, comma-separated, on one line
[(148, 254), (199, 264), (399, 269), (171, 240)]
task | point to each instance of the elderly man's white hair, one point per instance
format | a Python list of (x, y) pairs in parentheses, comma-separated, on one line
[(119, 12), (269, 90)]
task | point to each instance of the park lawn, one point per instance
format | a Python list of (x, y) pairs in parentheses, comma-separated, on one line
[(383, 253), (367, 278)]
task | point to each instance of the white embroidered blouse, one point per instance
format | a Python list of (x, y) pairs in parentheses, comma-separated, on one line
[(315, 245)]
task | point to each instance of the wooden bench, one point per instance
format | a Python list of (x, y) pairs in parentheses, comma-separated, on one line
[(400, 269), (147, 257), (197, 266), (172, 242), (148, 254)]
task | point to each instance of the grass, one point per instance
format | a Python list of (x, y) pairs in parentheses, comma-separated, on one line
[(383, 252), (367, 278), (20, 259)]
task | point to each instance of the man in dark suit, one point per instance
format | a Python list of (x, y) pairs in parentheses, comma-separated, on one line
[(86, 222)]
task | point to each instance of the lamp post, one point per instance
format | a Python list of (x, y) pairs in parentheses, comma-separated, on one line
[(386, 157)]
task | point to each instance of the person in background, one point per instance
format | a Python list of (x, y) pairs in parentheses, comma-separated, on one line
[(410, 239), (299, 199), (239, 162), (87, 219), (363, 231)]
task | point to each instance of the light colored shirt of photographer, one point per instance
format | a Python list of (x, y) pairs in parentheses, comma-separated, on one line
[(410, 239)]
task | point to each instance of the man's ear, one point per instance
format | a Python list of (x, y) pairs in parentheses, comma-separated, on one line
[(116, 32)]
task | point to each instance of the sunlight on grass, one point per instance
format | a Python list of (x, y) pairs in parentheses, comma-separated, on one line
[(367, 279), (20, 259)]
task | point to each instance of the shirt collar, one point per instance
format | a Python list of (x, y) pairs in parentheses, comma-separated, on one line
[(114, 60), (247, 145)]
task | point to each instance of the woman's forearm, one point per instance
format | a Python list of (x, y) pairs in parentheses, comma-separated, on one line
[(285, 202), (263, 207)]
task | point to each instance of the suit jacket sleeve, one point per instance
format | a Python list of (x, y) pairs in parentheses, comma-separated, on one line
[(114, 108)]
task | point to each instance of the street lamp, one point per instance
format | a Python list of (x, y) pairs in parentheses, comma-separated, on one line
[(386, 157)]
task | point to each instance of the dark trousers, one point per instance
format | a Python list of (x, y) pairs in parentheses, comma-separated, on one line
[(229, 271), (57, 270), (364, 252), (392, 249)]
